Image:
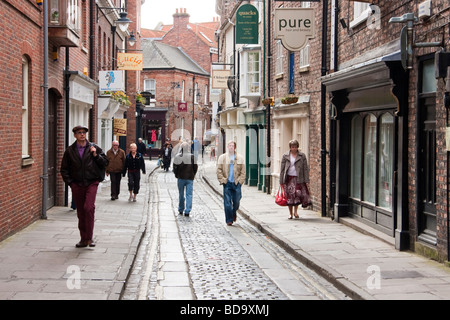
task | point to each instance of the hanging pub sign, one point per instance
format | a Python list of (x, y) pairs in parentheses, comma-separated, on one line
[(294, 26), (182, 107), (247, 25), (129, 61)]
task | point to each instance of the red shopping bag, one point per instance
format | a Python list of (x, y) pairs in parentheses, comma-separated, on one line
[(280, 197)]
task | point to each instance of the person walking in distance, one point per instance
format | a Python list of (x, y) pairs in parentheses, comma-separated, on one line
[(81, 168), (116, 158), (294, 175), (231, 174), (185, 168), (134, 163)]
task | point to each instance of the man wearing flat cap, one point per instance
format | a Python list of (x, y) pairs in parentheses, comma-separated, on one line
[(82, 168)]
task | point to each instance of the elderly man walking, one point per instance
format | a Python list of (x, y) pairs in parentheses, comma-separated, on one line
[(81, 168), (116, 158)]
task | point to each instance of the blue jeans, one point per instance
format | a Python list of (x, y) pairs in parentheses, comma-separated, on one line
[(231, 197), (188, 185)]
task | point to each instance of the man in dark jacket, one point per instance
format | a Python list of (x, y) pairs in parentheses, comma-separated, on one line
[(185, 168), (82, 168)]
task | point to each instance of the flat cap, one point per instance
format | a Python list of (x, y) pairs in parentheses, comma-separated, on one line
[(76, 128)]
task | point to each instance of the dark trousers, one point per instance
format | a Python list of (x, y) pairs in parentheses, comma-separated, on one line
[(85, 201), (134, 180), (116, 177), (232, 195)]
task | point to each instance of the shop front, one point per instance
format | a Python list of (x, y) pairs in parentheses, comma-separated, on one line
[(153, 121), (369, 111)]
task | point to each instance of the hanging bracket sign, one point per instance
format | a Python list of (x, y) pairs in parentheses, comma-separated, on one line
[(294, 26), (247, 19)]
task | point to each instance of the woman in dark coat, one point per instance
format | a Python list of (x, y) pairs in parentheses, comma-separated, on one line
[(294, 175), (166, 155), (134, 163)]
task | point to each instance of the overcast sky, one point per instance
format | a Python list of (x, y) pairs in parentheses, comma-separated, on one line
[(154, 11)]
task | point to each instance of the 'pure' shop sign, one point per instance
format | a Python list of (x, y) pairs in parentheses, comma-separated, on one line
[(294, 26)]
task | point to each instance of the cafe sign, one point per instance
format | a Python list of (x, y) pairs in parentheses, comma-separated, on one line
[(294, 26), (247, 24), (129, 61)]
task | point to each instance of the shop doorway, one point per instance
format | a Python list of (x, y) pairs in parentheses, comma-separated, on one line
[(426, 178)]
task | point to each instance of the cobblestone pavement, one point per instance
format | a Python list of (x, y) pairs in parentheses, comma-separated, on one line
[(199, 257), (219, 267)]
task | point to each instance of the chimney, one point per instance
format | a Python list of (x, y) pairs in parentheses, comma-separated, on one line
[(180, 18)]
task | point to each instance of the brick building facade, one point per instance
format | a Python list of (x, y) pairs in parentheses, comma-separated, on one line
[(80, 43), (373, 130)]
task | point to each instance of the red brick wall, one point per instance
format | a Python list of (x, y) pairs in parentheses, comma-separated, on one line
[(20, 189)]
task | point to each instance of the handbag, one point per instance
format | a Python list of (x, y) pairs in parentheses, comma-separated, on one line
[(280, 197)]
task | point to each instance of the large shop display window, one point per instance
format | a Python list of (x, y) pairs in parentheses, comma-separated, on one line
[(372, 154)]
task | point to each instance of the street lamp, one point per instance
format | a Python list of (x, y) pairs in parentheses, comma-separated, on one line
[(131, 39), (123, 22)]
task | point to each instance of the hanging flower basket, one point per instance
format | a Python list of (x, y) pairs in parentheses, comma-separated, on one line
[(289, 100), (266, 101)]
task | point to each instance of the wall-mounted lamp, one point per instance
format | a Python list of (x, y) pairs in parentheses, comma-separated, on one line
[(123, 22), (131, 39)]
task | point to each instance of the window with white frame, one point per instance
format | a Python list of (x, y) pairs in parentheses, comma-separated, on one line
[(25, 106), (361, 11), (74, 14), (306, 4), (150, 86), (304, 56), (182, 91), (279, 62), (206, 94), (250, 73), (196, 93)]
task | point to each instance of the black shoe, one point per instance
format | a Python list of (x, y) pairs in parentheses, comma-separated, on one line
[(186, 214), (180, 212)]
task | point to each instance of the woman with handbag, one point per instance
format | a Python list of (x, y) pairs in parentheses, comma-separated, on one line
[(294, 176)]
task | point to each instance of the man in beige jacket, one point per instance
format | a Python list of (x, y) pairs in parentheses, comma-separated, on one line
[(231, 174)]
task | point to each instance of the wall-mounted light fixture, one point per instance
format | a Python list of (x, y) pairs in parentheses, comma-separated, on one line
[(131, 39), (123, 22)]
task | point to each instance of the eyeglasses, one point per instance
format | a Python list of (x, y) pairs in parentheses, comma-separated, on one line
[(81, 132)]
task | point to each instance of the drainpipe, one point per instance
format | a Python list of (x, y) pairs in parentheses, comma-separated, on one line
[(91, 39), (323, 100), (269, 56), (66, 120), (45, 160)]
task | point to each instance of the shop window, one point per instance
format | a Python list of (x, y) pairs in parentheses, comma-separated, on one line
[(370, 159), (385, 162), (372, 153)]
